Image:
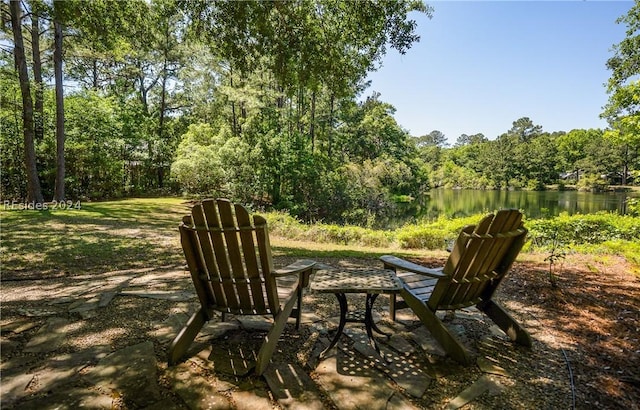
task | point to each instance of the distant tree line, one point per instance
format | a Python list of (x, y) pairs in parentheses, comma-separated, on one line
[(261, 102), (526, 157)]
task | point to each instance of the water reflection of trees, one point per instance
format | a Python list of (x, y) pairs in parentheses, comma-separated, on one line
[(454, 203)]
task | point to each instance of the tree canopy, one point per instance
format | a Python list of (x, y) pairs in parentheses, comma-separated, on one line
[(266, 103), (623, 109)]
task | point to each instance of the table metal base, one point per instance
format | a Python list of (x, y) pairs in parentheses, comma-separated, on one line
[(369, 324)]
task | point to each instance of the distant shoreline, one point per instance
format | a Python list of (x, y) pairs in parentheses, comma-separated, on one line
[(610, 188)]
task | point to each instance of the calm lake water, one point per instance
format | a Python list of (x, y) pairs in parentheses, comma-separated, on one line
[(458, 203)]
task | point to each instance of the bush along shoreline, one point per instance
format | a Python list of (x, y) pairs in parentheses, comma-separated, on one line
[(589, 233)]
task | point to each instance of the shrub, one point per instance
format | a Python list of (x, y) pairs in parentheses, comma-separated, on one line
[(582, 233), (535, 185), (433, 234), (585, 229), (592, 183), (284, 225), (633, 206), (421, 237), (348, 235)]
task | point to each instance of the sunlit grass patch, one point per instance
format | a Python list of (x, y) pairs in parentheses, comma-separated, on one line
[(98, 237), (630, 250), (311, 249)]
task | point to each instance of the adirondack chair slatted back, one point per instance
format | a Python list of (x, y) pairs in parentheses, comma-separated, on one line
[(480, 258), (229, 258)]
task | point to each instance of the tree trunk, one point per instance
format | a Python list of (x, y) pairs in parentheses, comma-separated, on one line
[(312, 126), (34, 192), (290, 121), (234, 120), (94, 73), (143, 93), (330, 133), (163, 107), (625, 166), (300, 110), (57, 67), (37, 76)]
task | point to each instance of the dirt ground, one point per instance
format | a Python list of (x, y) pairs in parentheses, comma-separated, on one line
[(593, 313), (585, 322)]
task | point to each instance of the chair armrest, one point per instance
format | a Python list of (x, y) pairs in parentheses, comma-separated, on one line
[(302, 267), (393, 262), (298, 266)]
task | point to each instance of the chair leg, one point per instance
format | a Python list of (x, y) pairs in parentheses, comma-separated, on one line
[(506, 322), (269, 344), (439, 331), (299, 306), (392, 306), (303, 282), (184, 339)]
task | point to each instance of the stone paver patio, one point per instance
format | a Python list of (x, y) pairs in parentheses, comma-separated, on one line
[(37, 374)]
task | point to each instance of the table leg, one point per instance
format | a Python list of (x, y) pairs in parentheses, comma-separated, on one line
[(370, 299), (342, 300), (369, 323)]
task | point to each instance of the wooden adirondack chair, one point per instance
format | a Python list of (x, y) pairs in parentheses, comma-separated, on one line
[(229, 257), (481, 257)]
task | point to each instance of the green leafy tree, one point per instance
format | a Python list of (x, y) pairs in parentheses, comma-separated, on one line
[(465, 139), (318, 54), (498, 158), (307, 49), (373, 131), (623, 109), (541, 166), (625, 133), (467, 151), (434, 138), (430, 148), (277, 83), (198, 166), (366, 189), (572, 148), (625, 66), (602, 158), (524, 129), (164, 53), (138, 55), (517, 150), (94, 145)]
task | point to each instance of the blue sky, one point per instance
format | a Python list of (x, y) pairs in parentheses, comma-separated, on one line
[(480, 65)]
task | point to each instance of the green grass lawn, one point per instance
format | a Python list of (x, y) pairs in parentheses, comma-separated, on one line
[(143, 233), (110, 236), (98, 237)]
